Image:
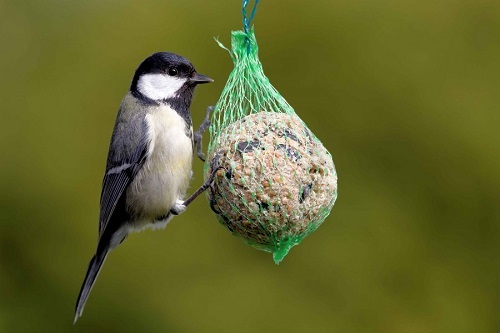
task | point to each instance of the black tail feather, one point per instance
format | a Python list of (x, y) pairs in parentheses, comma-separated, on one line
[(92, 273)]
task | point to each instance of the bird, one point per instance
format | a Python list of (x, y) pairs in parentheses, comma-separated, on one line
[(149, 163)]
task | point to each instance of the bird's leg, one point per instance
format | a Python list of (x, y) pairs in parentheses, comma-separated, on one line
[(198, 135), (180, 206)]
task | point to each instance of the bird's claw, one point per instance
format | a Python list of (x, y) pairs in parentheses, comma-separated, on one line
[(214, 166)]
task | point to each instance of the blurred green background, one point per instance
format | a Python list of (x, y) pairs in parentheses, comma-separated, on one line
[(404, 93)]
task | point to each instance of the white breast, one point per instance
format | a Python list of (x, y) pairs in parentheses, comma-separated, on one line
[(165, 176)]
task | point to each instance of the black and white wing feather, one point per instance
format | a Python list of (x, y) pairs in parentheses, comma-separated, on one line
[(116, 182), (129, 150)]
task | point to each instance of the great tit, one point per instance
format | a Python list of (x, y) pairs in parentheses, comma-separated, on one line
[(150, 156)]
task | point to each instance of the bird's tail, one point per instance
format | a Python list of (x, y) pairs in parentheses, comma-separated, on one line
[(92, 273)]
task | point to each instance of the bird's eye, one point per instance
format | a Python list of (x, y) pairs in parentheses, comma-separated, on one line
[(172, 71)]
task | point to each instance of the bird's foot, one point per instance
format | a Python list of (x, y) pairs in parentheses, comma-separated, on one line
[(214, 167), (198, 135)]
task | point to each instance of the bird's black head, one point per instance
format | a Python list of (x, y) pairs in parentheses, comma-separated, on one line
[(166, 77)]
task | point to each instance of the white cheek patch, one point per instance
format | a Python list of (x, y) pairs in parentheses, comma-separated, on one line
[(159, 86)]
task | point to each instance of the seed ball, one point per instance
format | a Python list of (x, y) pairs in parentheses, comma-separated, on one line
[(278, 182)]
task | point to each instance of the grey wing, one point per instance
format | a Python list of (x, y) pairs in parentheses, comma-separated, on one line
[(124, 162)]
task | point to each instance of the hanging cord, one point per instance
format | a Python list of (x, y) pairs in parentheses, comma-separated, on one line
[(248, 19)]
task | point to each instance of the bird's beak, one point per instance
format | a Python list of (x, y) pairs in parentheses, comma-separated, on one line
[(200, 78)]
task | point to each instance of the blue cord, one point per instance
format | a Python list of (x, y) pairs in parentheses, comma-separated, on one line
[(247, 20)]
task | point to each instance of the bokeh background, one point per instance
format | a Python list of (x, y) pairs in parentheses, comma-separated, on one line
[(404, 93)]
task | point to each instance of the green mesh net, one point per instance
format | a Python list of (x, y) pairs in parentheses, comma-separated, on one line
[(278, 182)]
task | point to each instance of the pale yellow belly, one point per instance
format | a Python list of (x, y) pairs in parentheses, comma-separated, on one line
[(165, 176)]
